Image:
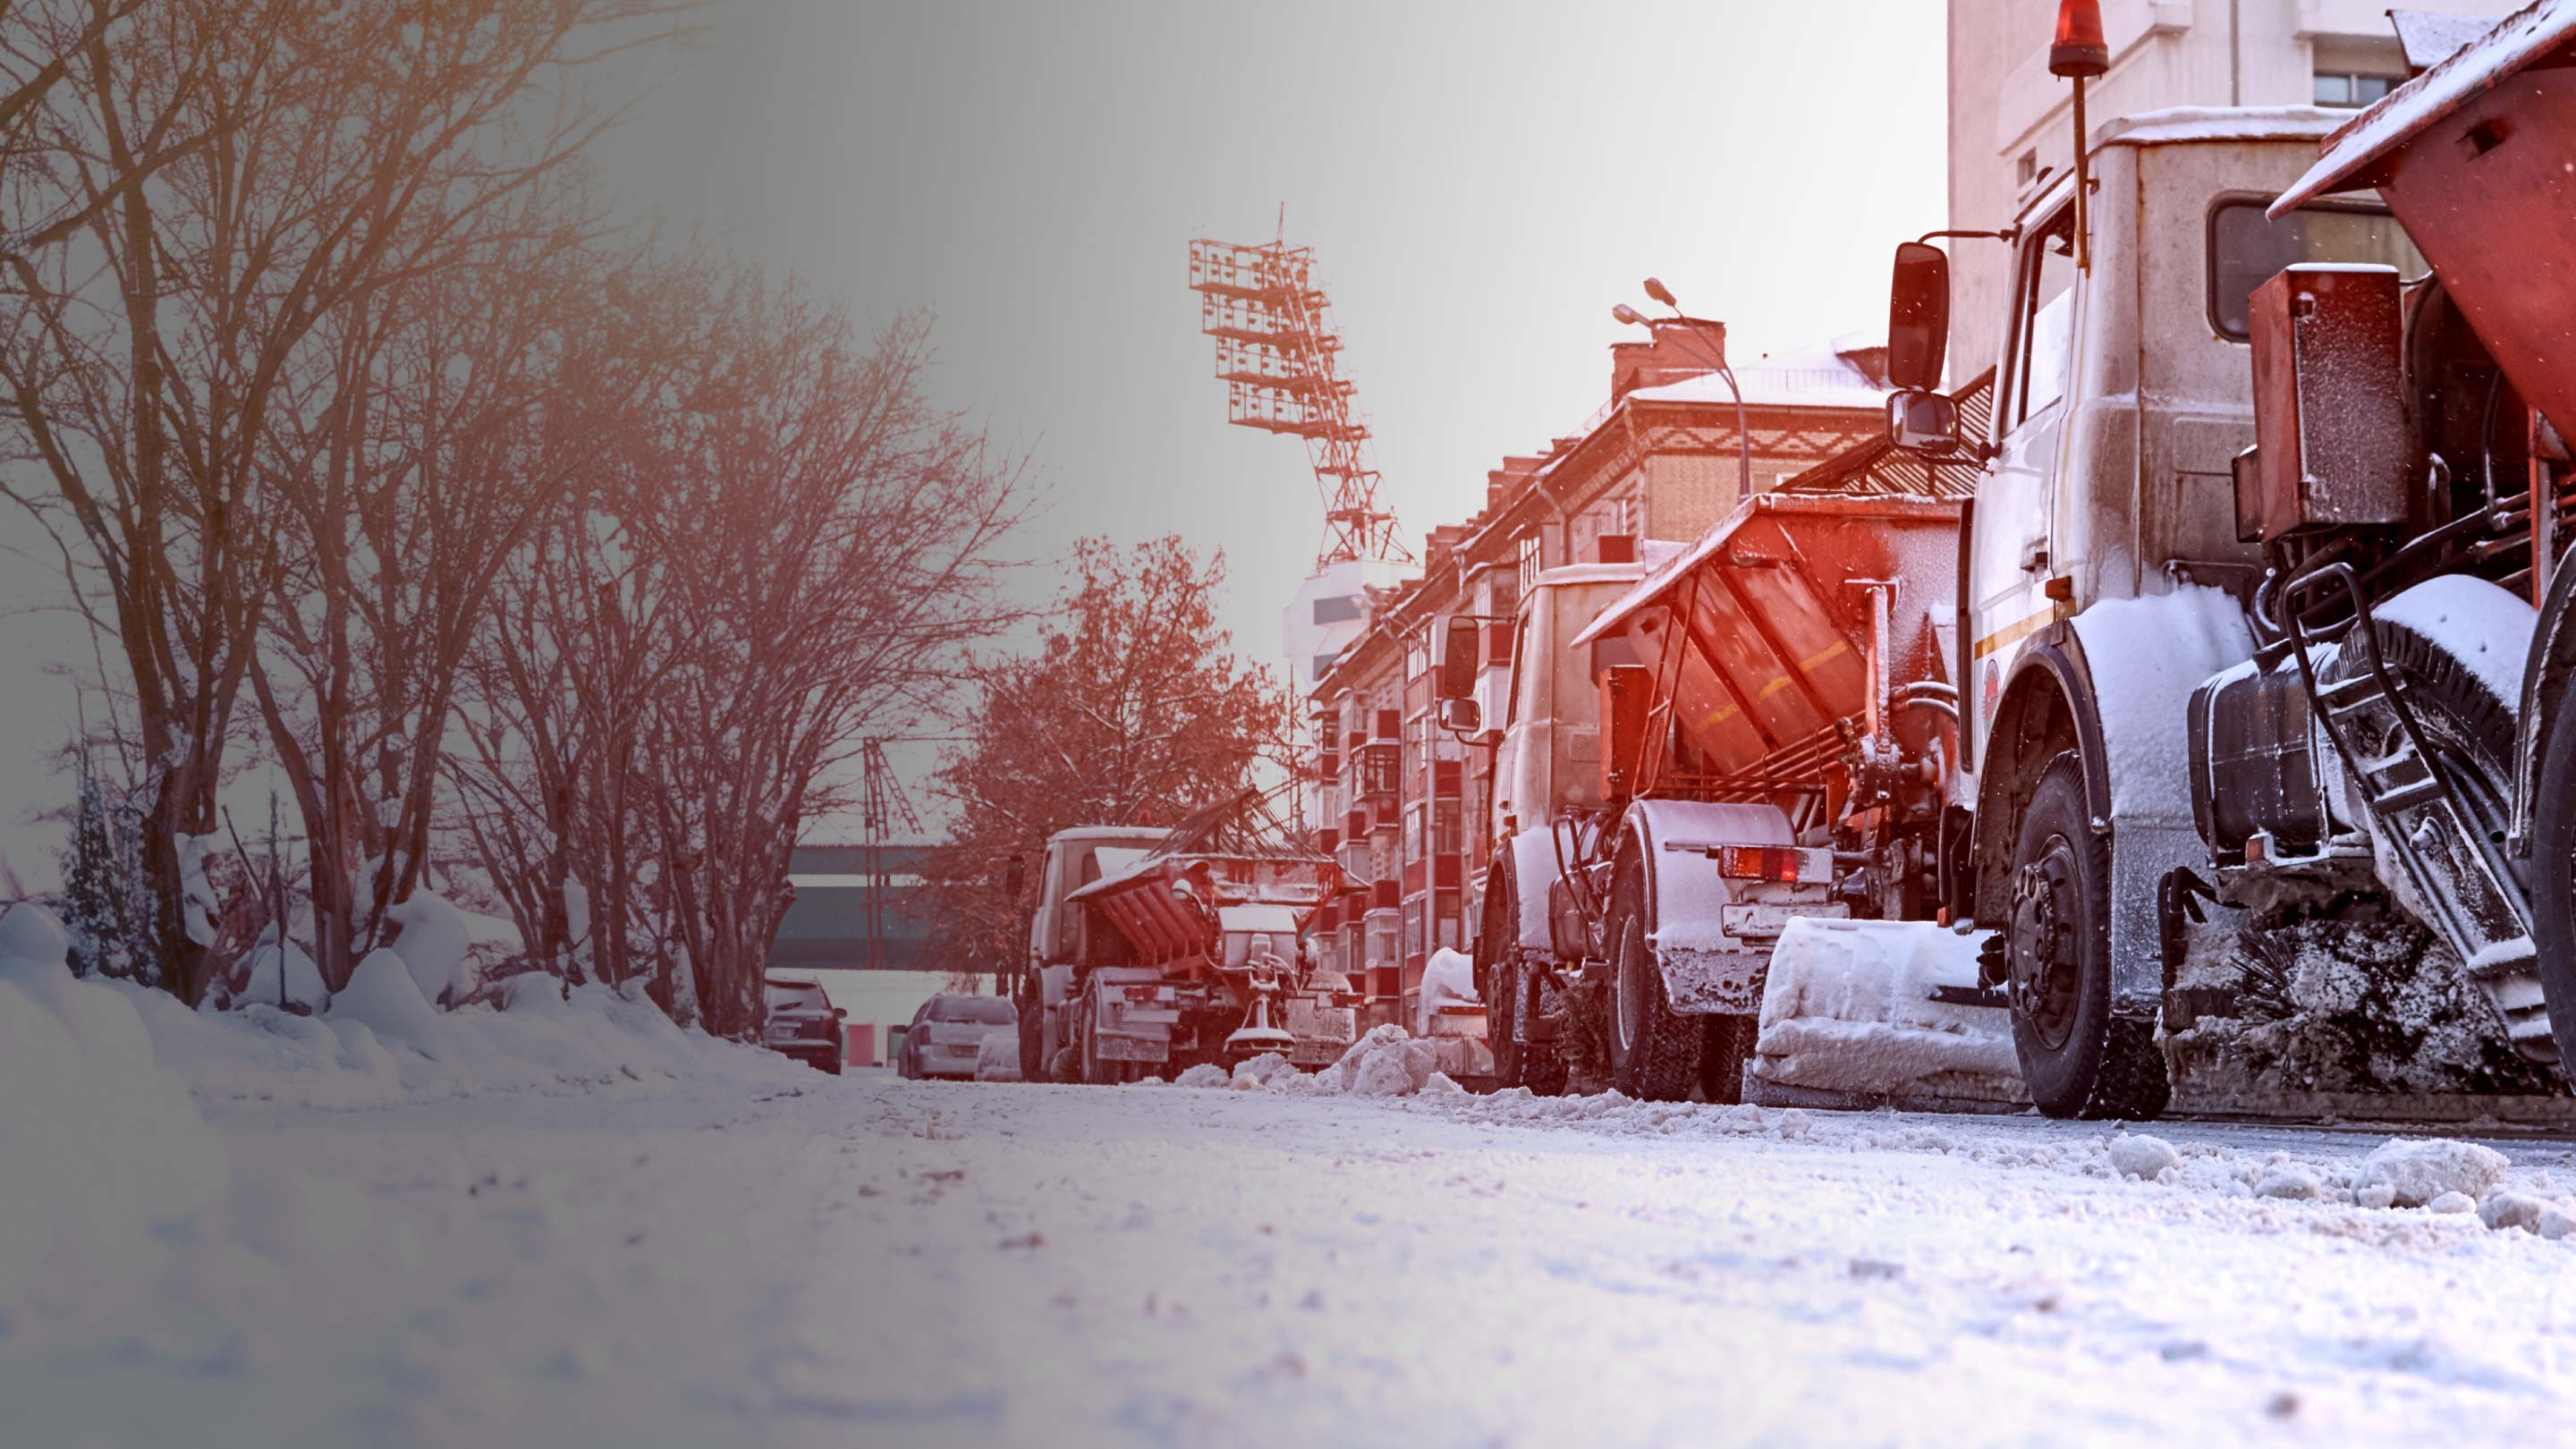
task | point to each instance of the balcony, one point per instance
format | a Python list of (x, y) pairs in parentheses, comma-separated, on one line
[(1383, 896)]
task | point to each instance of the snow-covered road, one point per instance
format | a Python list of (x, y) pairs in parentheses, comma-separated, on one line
[(787, 1258)]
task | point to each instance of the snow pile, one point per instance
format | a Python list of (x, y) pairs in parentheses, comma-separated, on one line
[(2135, 1154), (435, 942), (1848, 1008), (302, 984), (1264, 1069), (997, 1057), (2418, 1171), (1205, 1074), (1383, 1063), (1448, 979), (382, 1042), (100, 1149)]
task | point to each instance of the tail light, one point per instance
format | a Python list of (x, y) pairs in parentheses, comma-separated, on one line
[(1759, 862)]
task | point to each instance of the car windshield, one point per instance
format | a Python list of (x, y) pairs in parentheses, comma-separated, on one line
[(793, 996), (982, 1010), (2246, 249)]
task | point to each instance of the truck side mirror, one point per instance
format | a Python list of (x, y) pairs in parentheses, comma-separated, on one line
[(1463, 716), (1461, 644), (1923, 422), (1918, 316)]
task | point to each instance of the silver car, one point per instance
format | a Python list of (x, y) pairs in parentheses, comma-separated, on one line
[(949, 1031)]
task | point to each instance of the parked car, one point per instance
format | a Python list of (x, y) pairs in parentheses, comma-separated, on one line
[(803, 1023), (949, 1030)]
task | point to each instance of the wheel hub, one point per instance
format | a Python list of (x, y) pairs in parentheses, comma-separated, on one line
[(2044, 960)]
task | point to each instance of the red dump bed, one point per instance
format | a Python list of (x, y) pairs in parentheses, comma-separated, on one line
[(1758, 641), (1173, 909)]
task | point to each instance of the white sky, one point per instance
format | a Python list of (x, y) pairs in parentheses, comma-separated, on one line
[(1480, 181)]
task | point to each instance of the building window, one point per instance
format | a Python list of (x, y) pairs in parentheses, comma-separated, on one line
[(1529, 561), (1378, 766), (1413, 928), (2346, 90), (1412, 834), (1339, 609), (1444, 827)]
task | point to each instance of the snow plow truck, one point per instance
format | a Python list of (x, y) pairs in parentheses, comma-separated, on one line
[(2263, 631), (1152, 951), (1695, 751)]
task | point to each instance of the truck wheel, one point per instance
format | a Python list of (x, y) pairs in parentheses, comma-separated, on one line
[(2553, 880), (2077, 1057), (1033, 1062), (1723, 1055), (1654, 1051), (1539, 1066), (1097, 1070)]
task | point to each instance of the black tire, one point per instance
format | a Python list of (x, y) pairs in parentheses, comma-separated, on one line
[(1033, 1063), (1723, 1055), (1506, 985), (2553, 878), (1654, 1051), (1097, 1070), (2078, 1058)]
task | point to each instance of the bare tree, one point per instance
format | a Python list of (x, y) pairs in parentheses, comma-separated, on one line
[(1131, 709), (830, 543), (330, 153)]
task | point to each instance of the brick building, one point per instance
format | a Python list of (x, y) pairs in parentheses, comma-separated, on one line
[(1402, 800)]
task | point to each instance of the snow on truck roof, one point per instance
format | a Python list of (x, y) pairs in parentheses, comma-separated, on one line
[(2177, 124), (1683, 561), (1108, 832), (2352, 154)]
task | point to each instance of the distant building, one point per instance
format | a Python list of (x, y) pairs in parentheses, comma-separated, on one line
[(837, 914), (1400, 801), (2009, 118)]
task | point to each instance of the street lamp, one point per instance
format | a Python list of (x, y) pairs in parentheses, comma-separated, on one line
[(1714, 354)]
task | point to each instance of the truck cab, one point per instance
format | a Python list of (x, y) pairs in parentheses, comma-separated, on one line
[(1549, 755), (2152, 739), (1059, 930)]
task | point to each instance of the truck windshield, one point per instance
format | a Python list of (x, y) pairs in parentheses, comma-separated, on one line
[(2246, 249)]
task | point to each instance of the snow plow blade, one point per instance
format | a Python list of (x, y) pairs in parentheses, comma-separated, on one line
[(1859, 1015)]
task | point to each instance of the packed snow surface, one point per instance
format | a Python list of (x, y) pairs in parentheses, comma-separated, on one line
[(577, 1228)]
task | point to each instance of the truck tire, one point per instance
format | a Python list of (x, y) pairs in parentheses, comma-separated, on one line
[(1033, 1062), (1510, 989), (1723, 1055), (2078, 1057), (1097, 1071), (1654, 1050), (2553, 880)]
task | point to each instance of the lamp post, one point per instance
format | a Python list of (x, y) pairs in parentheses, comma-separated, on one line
[(1714, 354)]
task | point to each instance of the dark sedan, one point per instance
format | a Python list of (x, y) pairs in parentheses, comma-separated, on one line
[(803, 1023)]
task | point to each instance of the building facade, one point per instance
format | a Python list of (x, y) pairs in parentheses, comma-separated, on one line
[(2010, 131), (1402, 802)]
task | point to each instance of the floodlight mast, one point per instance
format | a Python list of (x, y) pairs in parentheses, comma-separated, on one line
[(1278, 355)]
